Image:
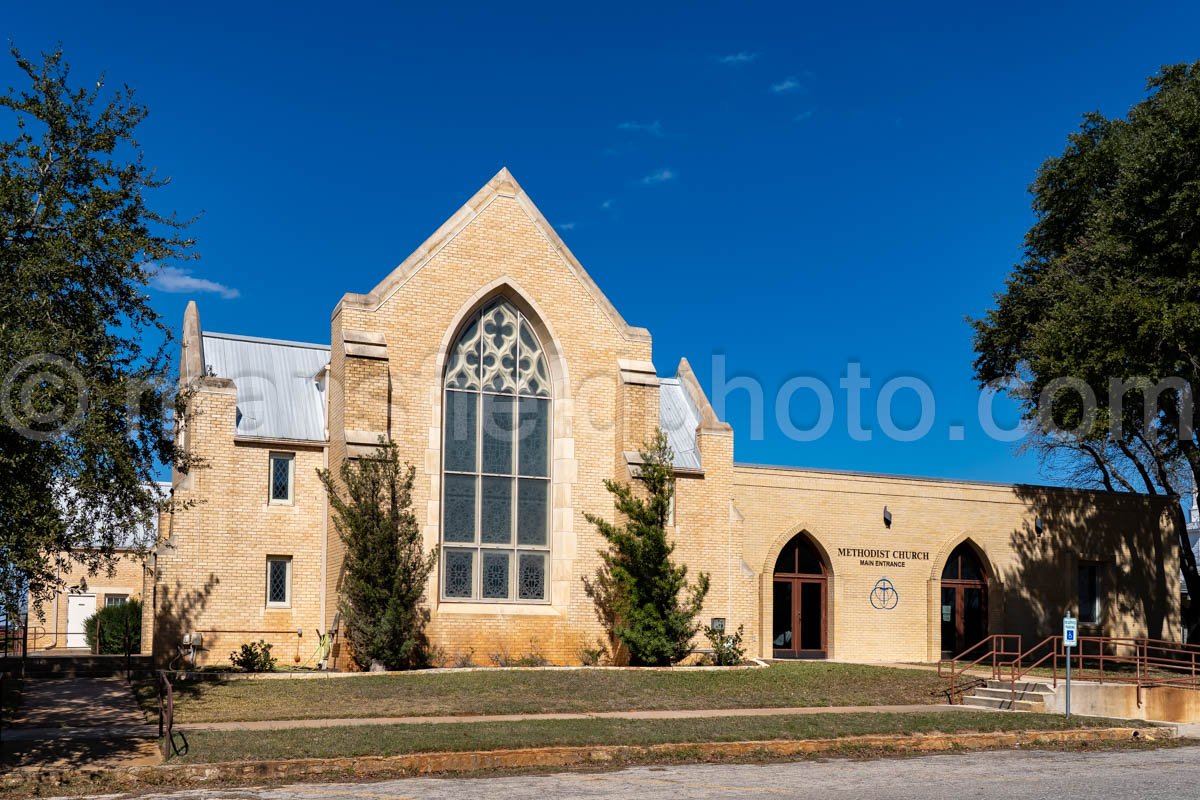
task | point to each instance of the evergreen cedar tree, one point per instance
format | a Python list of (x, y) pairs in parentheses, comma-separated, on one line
[(642, 598), (1109, 288), (385, 566), (84, 400)]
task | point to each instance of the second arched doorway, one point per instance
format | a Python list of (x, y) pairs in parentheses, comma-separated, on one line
[(964, 608), (800, 595)]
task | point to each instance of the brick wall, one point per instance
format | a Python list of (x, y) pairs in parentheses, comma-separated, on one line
[(48, 619), (731, 521), (210, 567)]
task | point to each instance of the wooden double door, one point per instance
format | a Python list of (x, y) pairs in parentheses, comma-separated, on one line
[(964, 606), (799, 628)]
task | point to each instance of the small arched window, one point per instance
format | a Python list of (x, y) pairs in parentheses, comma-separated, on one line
[(496, 461), (964, 565)]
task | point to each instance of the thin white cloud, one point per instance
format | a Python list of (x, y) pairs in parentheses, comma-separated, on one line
[(180, 281), (737, 59), (653, 128), (661, 176), (805, 115), (788, 84), (566, 226)]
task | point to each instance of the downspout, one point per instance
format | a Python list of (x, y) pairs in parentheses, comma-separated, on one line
[(324, 572)]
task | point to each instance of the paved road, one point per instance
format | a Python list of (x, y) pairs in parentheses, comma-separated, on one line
[(1129, 775)]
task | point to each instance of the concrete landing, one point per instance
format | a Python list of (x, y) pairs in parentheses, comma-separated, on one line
[(74, 722)]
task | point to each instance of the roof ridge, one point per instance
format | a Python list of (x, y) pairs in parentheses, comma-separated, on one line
[(237, 337)]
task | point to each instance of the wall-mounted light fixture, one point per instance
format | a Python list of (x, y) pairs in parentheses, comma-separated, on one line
[(887, 517), (1038, 526)]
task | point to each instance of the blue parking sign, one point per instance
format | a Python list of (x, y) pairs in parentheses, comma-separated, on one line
[(1069, 632)]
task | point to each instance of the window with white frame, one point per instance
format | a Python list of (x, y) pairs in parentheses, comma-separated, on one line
[(283, 469), (115, 599), (279, 580), (496, 461)]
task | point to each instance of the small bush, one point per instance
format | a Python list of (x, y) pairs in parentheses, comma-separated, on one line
[(531, 659), (253, 657), (727, 647), (438, 657), (116, 622), (593, 656), (464, 660)]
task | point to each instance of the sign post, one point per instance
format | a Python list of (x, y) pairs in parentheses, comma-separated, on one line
[(1069, 640)]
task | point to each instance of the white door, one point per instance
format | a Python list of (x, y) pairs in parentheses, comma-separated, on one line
[(79, 608)]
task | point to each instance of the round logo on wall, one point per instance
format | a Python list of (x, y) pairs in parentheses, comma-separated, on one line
[(884, 596)]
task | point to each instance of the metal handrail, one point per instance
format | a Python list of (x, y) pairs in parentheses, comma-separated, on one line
[(166, 718), (1150, 658), (988, 649)]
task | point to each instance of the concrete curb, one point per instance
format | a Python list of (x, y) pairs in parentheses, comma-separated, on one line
[(428, 763)]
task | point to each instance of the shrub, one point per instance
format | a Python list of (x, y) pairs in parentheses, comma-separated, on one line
[(593, 656), (727, 647), (253, 657), (386, 568), (642, 598), (464, 659), (116, 622), (531, 659)]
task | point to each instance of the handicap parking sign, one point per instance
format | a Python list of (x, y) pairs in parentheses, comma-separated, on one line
[(1069, 631)]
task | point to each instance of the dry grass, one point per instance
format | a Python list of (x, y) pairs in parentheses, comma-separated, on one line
[(805, 684)]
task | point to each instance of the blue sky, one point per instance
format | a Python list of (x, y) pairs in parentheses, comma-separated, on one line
[(791, 186)]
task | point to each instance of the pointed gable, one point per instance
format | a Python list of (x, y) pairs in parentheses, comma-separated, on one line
[(503, 185)]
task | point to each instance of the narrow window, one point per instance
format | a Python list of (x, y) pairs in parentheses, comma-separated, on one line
[(115, 599), (279, 580), (282, 473), (1090, 593)]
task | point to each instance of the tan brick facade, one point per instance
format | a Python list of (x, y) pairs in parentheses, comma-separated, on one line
[(52, 627), (385, 377)]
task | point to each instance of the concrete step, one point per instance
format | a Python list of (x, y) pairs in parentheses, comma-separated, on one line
[(1004, 704), (1023, 686), (1007, 694)]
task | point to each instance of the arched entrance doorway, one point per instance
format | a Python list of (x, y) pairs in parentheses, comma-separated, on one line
[(801, 582), (964, 601)]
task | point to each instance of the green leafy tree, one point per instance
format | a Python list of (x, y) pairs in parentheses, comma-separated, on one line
[(386, 568), (83, 422), (1108, 296), (120, 626), (642, 598)]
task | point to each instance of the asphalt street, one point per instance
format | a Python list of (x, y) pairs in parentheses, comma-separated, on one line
[(1000, 775)]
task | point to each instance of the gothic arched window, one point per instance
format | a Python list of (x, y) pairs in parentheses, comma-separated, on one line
[(496, 461)]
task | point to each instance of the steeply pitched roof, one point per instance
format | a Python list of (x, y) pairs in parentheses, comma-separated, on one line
[(678, 417), (280, 385), (503, 184)]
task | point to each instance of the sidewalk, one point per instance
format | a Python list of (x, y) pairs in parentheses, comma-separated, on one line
[(77, 721), (707, 713)]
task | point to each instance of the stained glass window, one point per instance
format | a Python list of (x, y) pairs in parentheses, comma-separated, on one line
[(279, 580), (496, 460), (281, 477)]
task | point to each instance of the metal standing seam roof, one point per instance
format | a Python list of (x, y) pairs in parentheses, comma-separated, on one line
[(679, 418), (279, 395)]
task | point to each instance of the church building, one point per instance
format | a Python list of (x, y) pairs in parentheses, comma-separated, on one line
[(506, 377)]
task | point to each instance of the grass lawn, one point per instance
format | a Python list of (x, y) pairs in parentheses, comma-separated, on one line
[(517, 692), (215, 746)]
